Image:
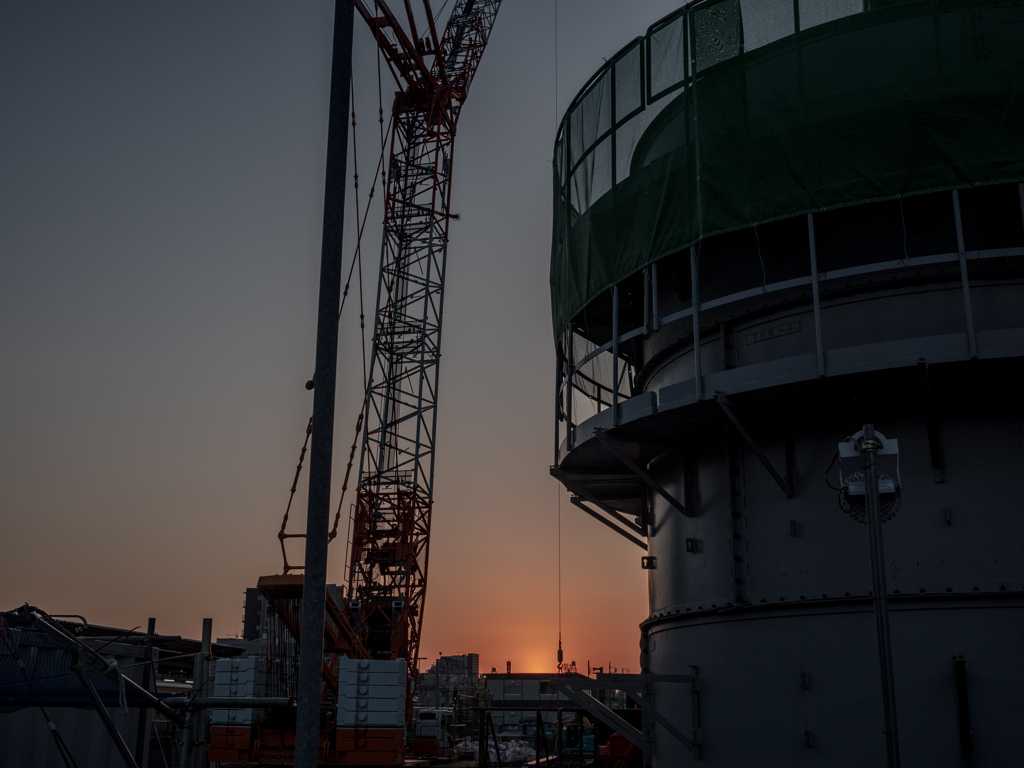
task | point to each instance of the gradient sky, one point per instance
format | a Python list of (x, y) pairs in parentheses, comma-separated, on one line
[(161, 193)]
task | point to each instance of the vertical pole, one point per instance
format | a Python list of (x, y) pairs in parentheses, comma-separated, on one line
[(972, 342), (481, 741), (654, 296), (695, 310), (142, 732), (647, 300), (615, 355), (195, 717), (816, 293), (570, 434), (558, 403), (868, 446), (314, 587), (1020, 194), (558, 736), (538, 730)]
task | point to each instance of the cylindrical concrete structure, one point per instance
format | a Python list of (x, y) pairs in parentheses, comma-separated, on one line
[(776, 222)]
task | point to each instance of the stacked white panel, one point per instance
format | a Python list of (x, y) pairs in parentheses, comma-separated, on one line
[(241, 677), (371, 694)]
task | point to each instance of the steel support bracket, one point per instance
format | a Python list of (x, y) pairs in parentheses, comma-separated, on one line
[(582, 494), (577, 502), (640, 688), (585, 701), (784, 482), (610, 444)]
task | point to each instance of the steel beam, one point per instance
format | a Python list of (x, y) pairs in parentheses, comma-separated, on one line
[(609, 443), (785, 483), (972, 341), (635, 685), (576, 502), (101, 710), (602, 713), (816, 294), (580, 490), (230, 702), (698, 378)]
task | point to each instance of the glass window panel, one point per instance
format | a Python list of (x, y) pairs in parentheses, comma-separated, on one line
[(717, 33), (593, 177), (576, 135), (626, 137), (668, 56), (579, 185), (815, 12), (628, 91), (591, 117), (600, 102), (668, 135), (601, 179), (579, 188), (765, 21)]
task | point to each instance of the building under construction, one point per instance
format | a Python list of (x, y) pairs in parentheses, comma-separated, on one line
[(786, 278)]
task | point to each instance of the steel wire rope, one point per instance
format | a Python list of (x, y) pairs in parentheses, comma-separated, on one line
[(557, 484), (440, 11), (356, 259), (347, 572)]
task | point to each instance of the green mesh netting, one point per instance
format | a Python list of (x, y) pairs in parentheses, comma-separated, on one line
[(739, 112)]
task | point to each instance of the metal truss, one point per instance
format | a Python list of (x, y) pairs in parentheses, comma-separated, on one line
[(391, 529)]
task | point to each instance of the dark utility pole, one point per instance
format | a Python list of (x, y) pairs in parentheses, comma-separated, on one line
[(868, 445), (307, 726)]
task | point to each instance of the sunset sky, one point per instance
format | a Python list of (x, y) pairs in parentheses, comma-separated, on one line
[(161, 193)]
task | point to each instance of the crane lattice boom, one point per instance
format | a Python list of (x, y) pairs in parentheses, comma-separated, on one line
[(391, 529)]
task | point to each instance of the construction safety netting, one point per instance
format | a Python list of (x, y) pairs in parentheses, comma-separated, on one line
[(733, 113)]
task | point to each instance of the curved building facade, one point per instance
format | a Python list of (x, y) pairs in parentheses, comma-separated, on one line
[(777, 221)]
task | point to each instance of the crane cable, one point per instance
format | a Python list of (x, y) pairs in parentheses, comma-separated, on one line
[(559, 489), (347, 576), (361, 218)]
